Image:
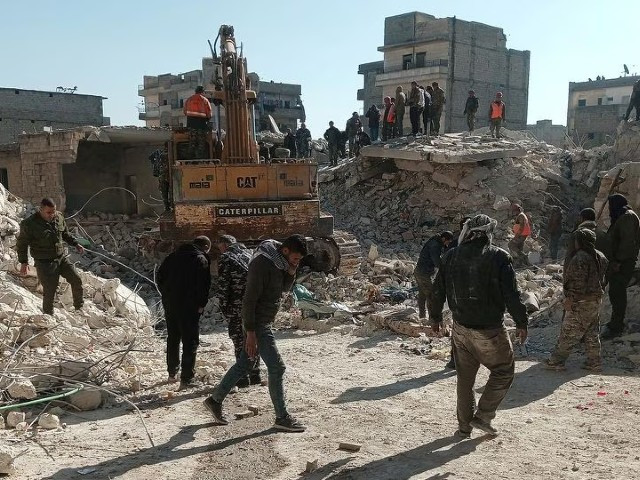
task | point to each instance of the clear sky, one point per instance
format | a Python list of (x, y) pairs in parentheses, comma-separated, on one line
[(106, 47)]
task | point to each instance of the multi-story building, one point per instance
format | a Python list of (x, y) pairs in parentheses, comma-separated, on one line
[(546, 131), (32, 111), (164, 97), (596, 107), (460, 56)]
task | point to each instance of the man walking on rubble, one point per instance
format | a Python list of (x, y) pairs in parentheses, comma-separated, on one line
[(624, 241), (233, 267), (583, 283), (160, 165), (478, 281), (42, 234), (428, 263), (521, 230), (554, 230), (470, 110), (184, 280), (332, 136), (197, 108), (438, 100), (272, 272), (497, 115), (634, 102)]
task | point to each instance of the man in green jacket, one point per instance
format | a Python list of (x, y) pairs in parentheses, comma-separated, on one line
[(43, 233), (272, 271)]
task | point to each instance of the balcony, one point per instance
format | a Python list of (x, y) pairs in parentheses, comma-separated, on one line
[(432, 68)]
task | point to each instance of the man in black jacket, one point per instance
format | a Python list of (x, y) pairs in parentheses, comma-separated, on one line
[(373, 114), (428, 262), (290, 143), (272, 271), (470, 110), (478, 281), (184, 280)]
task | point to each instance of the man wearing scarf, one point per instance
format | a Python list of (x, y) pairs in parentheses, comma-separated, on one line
[(583, 282), (478, 281), (272, 271), (624, 239)]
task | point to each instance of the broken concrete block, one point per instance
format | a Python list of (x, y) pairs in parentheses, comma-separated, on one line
[(534, 258), (7, 455), (243, 415), (22, 388), (444, 179), (86, 399), (407, 235), (49, 421), (349, 447), (14, 418), (312, 466), (530, 301), (22, 426), (373, 253), (501, 203), (254, 409)]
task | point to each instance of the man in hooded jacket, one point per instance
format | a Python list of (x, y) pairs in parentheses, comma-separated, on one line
[(624, 241)]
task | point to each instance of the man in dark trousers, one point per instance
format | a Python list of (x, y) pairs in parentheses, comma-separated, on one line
[(184, 280), (332, 135), (373, 114), (428, 263), (233, 266), (416, 106), (290, 143), (470, 110), (197, 108), (478, 281), (272, 272), (43, 234), (624, 241)]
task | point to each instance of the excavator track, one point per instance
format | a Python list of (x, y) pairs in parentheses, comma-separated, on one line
[(340, 254), (350, 252)]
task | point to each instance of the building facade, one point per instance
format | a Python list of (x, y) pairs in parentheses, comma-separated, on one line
[(596, 107), (546, 131), (32, 111), (460, 56), (164, 97)]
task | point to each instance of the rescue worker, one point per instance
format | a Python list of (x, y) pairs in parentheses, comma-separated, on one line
[(290, 143), (388, 119), (587, 220), (521, 230), (416, 106), (303, 141), (353, 126), (332, 136), (42, 235), (426, 113), (198, 111), (438, 100), (428, 263), (184, 280), (554, 230), (470, 110), (373, 114), (160, 168), (583, 283), (634, 102), (478, 281), (624, 240), (400, 104), (497, 115), (233, 266), (272, 271)]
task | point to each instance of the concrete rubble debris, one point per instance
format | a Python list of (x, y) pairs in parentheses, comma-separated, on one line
[(7, 455), (15, 417), (21, 388), (311, 466), (49, 421), (86, 399), (350, 447)]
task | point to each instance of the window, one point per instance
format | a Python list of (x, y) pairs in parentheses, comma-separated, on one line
[(33, 121), (406, 61), (599, 100), (582, 102), (420, 59), (4, 178), (287, 104), (609, 100), (181, 102), (591, 136), (50, 95), (17, 92), (164, 102)]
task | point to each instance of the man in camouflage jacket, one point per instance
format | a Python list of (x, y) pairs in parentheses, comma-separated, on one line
[(233, 266), (584, 282)]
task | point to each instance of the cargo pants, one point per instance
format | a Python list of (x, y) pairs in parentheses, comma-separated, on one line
[(425, 293), (236, 334), (581, 322), (49, 273)]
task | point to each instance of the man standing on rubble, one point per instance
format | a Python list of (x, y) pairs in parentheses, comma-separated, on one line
[(416, 106), (332, 136), (634, 102), (198, 111), (438, 100), (583, 282), (521, 230), (388, 119), (624, 240), (233, 266), (184, 280), (373, 114), (497, 115), (478, 281), (272, 271), (160, 165), (426, 113), (470, 110), (353, 126), (399, 104), (290, 143), (42, 234), (587, 220), (428, 263), (303, 141), (554, 230)]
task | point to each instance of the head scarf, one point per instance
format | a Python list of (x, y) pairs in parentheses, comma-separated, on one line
[(618, 204), (586, 240), (476, 227)]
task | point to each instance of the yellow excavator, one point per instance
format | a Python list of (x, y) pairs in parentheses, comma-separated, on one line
[(234, 192)]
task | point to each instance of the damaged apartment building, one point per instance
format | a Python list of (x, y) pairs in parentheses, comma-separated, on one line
[(460, 56), (72, 165), (164, 96)]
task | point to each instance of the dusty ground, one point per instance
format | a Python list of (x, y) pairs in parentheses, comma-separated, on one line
[(398, 405)]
